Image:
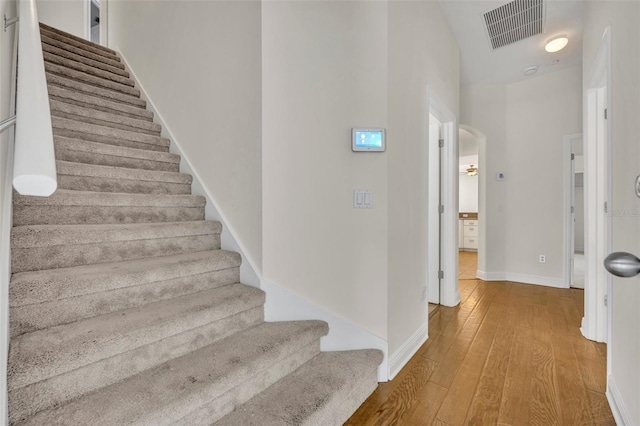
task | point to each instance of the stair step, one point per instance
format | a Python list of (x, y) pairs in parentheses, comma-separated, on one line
[(100, 118), (88, 89), (79, 47), (98, 103), (107, 135), (89, 177), (206, 379), (67, 207), (324, 391), (55, 40), (39, 247), (53, 49), (77, 39), (48, 298), (85, 78), (87, 69), (79, 151), (51, 366)]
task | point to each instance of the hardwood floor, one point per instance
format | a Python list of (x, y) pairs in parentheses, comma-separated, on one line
[(509, 354)]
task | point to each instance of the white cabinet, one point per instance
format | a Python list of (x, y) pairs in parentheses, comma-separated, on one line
[(469, 233)]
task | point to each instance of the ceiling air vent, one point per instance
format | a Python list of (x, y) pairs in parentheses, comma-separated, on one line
[(514, 21)]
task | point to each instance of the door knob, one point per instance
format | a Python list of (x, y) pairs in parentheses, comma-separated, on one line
[(622, 264)]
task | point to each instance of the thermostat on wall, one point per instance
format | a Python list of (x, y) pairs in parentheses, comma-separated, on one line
[(372, 140)]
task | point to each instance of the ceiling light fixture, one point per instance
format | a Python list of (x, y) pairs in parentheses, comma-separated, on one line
[(556, 44), (472, 171), (530, 70)]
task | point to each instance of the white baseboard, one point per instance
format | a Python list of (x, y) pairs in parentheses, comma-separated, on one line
[(249, 273), (617, 404), (403, 354), (522, 278), (283, 305)]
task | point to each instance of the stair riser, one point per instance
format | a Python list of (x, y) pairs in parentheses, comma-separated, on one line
[(32, 398), (87, 89), (214, 410), (25, 319), (79, 46), (98, 122), (68, 36), (342, 409), (60, 94), (101, 184), (108, 140), (100, 118), (31, 289), (87, 69), (107, 135), (51, 49), (114, 160), (84, 215), (64, 256), (90, 79)]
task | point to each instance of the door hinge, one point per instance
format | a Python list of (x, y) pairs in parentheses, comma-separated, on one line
[(605, 113), (606, 207), (441, 209), (573, 156), (441, 143), (606, 300), (440, 275), (573, 210)]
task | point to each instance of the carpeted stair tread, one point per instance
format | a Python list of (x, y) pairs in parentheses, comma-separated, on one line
[(39, 247), (80, 151), (87, 69), (169, 392), (98, 103), (77, 302), (55, 50), (100, 118), (47, 353), (88, 89), (312, 394), (83, 77), (107, 135), (54, 40), (55, 235), (77, 39), (89, 177), (29, 288), (78, 46), (86, 207)]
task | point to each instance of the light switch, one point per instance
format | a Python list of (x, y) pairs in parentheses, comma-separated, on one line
[(361, 199)]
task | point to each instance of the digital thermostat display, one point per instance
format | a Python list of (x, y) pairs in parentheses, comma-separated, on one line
[(367, 140)]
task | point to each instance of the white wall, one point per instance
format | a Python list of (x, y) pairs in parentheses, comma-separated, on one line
[(483, 107), (624, 299), (200, 62), (65, 15), (7, 7), (524, 124), (422, 53), (325, 71), (468, 193), (540, 111)]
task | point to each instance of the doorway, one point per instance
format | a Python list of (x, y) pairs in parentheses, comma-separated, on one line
[(94, 21), (574, 210)]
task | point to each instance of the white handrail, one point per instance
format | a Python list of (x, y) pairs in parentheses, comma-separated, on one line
[(34, 171)]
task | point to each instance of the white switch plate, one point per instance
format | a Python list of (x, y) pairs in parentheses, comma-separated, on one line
[(362, 199)]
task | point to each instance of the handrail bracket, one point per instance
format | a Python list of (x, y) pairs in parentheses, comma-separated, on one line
[(7, 122), (8, 22)]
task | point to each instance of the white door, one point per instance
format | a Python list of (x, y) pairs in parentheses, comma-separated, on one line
[(434, 224)]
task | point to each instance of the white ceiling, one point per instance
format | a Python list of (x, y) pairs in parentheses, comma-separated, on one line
[(481, 64)]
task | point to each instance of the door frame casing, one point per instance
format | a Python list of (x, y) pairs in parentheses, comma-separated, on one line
[(596, 322), (449, 295)]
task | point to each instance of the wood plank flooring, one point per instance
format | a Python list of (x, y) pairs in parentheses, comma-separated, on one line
[(509, 354)]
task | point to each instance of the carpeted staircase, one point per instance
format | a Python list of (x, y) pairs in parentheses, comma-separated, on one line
[(123, 307)]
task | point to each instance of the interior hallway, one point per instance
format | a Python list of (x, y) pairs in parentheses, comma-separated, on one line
[(509, 354)]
